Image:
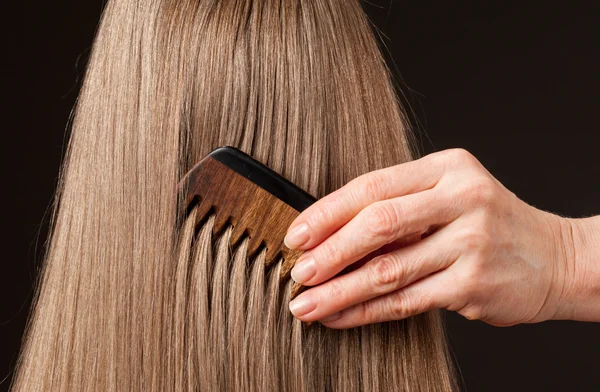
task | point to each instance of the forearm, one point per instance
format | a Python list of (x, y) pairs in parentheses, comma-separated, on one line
[(581, 287)]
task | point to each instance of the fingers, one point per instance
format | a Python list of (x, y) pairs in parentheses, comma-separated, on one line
[(331, 212), (373, 227), (436, 291), (379, 276)]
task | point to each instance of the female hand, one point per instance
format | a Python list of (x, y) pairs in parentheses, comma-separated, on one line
[(489, 256)]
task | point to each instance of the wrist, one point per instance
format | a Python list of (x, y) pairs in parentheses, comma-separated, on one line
[(578, 256)]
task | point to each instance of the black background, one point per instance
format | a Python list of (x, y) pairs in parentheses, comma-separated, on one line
[(516, 83)]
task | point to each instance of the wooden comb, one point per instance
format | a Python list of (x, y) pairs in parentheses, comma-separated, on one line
[(255, 200)]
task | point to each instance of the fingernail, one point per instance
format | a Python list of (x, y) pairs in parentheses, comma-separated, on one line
[(302, 305), (304, 270), (333, 317), (297, 236)]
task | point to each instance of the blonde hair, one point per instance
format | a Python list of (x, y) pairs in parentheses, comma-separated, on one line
[(133, 298)]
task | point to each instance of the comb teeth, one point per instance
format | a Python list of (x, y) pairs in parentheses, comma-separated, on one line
[(249, 208)]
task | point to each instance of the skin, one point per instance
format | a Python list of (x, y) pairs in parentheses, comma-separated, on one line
[(441, 232)]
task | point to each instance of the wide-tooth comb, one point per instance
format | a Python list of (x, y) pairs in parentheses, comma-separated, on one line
[(254, 199)]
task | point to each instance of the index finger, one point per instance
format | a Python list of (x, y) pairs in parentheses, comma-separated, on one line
[(333, 211)]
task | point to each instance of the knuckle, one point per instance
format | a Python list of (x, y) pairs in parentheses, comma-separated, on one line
[(385, 271), (463, 156), (482, 192), (319, 215), (370, 311), (472, 312), (467, 238), (381, 220), (372, 187), (328, 253), (474, 240), (336, 290), (399, 307), (457, 156)]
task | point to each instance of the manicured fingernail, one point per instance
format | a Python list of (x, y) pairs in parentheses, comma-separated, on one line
[(304, 270), (297, 236), (302, 305), (333, 317)]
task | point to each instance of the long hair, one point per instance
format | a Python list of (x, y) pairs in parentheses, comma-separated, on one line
[(132, 298)]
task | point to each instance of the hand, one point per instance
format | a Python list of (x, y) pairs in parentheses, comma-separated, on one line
[(484, 253)]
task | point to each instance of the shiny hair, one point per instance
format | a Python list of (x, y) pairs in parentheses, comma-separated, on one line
[(130, 296)]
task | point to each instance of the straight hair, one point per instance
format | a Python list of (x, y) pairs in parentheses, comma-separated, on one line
[(133, 297)]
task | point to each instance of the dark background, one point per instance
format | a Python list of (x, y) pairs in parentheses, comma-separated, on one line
[(516, 83)]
